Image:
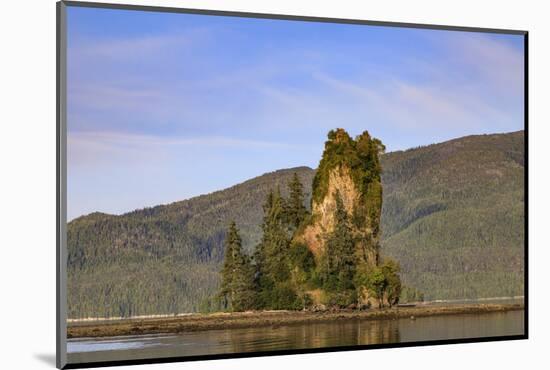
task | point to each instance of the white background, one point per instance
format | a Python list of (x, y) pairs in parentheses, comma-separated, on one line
[(27, 183)]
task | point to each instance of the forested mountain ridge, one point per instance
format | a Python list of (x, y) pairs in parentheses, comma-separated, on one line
[(166, 258), (452, 216)]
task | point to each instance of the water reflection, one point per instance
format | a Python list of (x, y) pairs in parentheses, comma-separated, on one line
[(310, 336), (318, 335)]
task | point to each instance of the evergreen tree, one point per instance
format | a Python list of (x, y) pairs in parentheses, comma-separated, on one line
[(383, 282), (237, 286), (295, 209), (275, 241), (391, 269), (245, 290), (260, 250), (376, 284), (272, 264), (340, 251)]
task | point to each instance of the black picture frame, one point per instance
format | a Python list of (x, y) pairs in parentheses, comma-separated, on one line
[(61, 186)]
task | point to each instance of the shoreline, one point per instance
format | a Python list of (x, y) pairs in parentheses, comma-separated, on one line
[(251, 319)]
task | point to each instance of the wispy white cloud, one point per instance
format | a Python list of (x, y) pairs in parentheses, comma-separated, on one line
[(131, 47), (174, 102), (96, 147), (470, 85), (496, 61), (131, 139), (395, 106), (104, 96)]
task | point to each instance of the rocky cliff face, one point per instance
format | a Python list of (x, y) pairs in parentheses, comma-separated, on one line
[(339, 180), (350, 168)]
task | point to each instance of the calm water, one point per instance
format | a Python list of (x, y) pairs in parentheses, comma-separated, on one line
[(318, 335)]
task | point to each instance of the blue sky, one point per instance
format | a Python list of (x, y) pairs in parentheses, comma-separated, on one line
[(163, 107)]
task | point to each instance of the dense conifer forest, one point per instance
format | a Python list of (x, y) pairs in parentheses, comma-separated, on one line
[(452, 217)]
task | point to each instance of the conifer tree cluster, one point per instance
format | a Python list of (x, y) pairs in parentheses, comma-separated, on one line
[(266, 282), (349, 263), (237, 291), (295, 210), (283, 271), (339, 262), (382, 282)]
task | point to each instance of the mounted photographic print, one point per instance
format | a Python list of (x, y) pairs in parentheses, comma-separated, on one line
[(234, 184)]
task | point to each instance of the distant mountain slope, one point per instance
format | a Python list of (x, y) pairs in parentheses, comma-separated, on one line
[(452, 216), (165, 258)]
